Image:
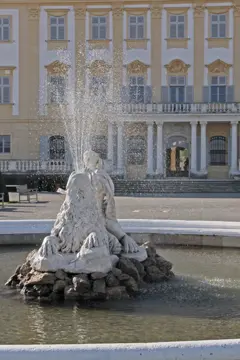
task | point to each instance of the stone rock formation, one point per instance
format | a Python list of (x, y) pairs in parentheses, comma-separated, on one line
[(126, 279)]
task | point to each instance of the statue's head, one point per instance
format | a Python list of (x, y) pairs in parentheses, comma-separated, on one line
[(92, 160), (78, 184)]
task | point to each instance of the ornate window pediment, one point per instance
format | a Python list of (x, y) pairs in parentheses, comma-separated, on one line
[(56, 67), (137, 67), (99, 68), (177, 66), (218, 66)]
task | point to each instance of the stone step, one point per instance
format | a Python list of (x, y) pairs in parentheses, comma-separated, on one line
[(175, 186)]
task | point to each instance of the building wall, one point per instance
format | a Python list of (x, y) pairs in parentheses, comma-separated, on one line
[(29, 57)]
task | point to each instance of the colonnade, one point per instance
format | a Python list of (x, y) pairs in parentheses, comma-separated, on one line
[(160, 147)]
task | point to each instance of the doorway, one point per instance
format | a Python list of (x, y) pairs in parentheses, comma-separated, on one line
[(177, 157)]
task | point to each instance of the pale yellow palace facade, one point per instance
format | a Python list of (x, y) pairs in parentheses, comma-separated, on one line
[(170, 71)]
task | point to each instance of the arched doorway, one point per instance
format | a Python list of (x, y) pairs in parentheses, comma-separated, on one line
[(177, 157)]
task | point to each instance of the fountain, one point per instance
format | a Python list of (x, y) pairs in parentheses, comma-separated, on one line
[(87, 254)]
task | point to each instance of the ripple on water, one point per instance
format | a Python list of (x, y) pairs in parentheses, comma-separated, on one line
[(202, 302)]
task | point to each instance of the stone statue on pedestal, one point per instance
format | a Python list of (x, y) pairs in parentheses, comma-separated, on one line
[(86, 236)]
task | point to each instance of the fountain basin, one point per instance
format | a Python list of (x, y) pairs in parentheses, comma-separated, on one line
[(189, 350), (159, 232)]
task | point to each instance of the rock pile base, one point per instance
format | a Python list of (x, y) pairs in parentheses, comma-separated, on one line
[(125, 280)]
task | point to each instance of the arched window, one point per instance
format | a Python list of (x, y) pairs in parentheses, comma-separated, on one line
[(218, 150), (57, 147)]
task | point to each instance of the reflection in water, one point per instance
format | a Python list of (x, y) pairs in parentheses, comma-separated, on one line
[(203, 302)]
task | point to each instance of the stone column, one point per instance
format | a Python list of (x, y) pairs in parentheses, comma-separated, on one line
[(110, 142), (117, 67), (236, 51), (150, 150), (193, 147), (33, 65), (159, 170), (120, 149), (156, 54), (80, 41), (234, 147), (203, 146)]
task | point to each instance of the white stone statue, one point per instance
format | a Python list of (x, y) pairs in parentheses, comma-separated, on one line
[(86, 236), (104, 186)]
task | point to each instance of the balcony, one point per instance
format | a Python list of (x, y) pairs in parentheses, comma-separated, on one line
[(50, 167), (180, 108), (35, 166)]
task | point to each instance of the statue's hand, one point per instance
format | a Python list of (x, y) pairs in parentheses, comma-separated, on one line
[(129, 245), (92, 241), (49, 246)]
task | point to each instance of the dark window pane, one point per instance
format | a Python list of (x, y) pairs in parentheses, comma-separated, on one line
[(181, 93), (222, 93), (173, 94)]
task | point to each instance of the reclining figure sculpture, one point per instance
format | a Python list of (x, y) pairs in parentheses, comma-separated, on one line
[(86, 236)]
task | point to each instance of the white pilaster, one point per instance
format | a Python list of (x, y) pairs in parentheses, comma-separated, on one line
[(203, 146), (159, 170), (234, 147), (193, 147), (120, 148), (150, 149), (110, 142)]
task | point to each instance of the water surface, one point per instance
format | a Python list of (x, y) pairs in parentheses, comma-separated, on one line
[(203, 302)]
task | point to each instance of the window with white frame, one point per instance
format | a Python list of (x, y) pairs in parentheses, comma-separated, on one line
[(99, 86), (4, 28), (136, 27), (5, 144), (177, 26), (4, 90), (218, 150), (177, 89), (57, 28), (99, 27), (57, 89), (218, 89), (136, 89), (218, 25), (57, 147)]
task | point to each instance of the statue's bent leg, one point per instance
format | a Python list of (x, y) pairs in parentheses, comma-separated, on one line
[(114, 228), (129, 245)]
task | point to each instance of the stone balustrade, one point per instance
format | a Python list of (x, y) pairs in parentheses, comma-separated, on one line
[(171, 108), (35, 166)]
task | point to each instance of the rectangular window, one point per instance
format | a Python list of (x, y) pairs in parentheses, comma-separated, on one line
[(99, 145), (99, 28), (4, 90), (136, 89), (4, 28), (177, 89), (177, 26), (218, 25), (99, 86), (218, 89), (136, 27), (136, 150), (57, 28), (5, 146), (57, 89)]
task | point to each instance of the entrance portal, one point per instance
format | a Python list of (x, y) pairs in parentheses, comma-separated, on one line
[(177, 157)]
